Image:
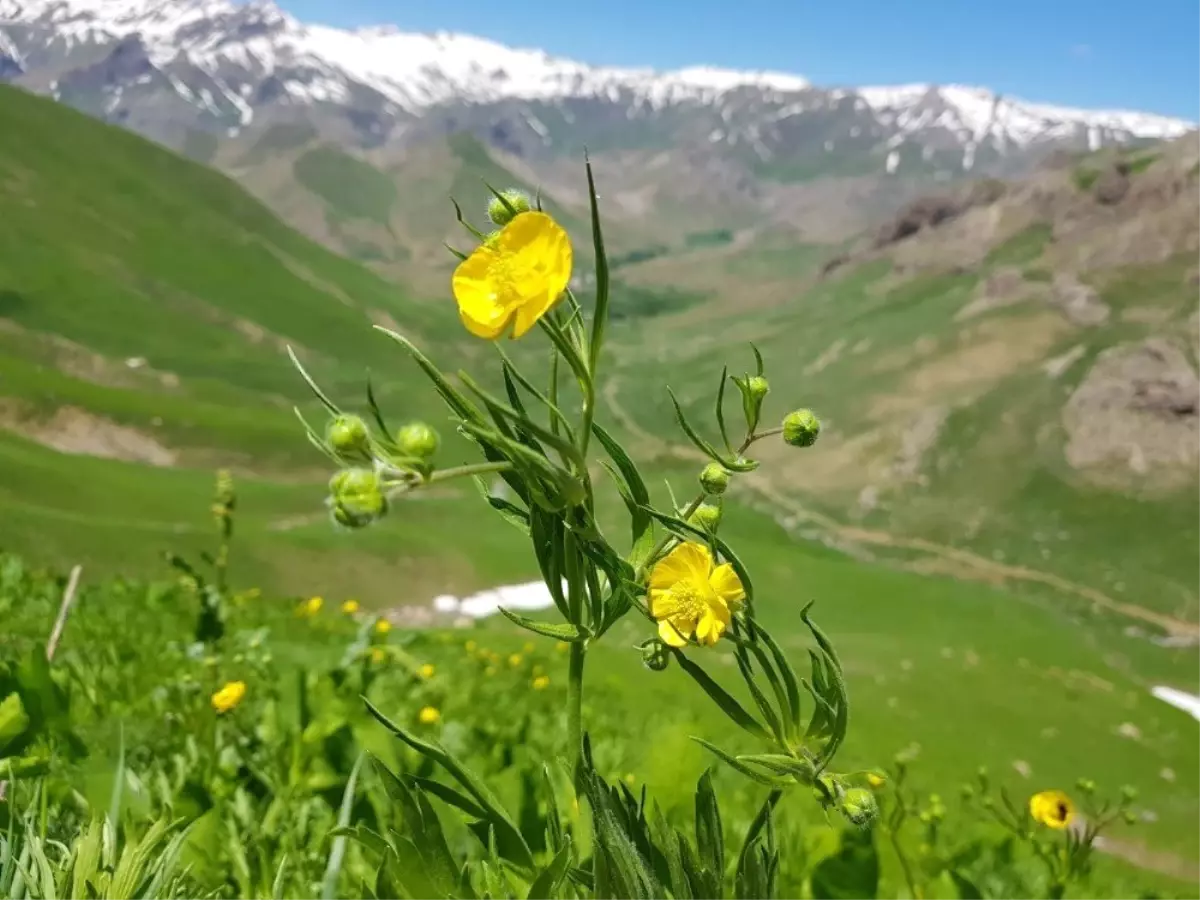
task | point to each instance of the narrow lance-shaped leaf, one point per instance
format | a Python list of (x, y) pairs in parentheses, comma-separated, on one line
[(562, 631), (734, 710), (458, 214), (733, 465), (454, 399), (721, 410), (312, 385), (600, 316)]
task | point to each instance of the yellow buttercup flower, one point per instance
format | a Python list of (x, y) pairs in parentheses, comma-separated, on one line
[(426, 671), (383, 626), (688, 595), (515, 278), (541, 682), (1053, 809), (514, 660), (470, 646), (429, 715), (350, 607), (229, 696), (378, 655), (312, 607), (875, 780)]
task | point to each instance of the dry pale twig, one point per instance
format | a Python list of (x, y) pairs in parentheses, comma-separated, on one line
[(63, 611)]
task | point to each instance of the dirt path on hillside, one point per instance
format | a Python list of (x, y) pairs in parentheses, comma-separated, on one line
[(938, 557)]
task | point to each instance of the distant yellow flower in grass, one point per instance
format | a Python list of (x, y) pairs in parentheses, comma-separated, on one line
[(470, 646), (229, 696), (429, 715), (514, 278), (1053, 809), (350, 607), (562, 647), (312, 606), (875, 780), (426, 671), (383, 626), (378, 655), (514, 660), (688, 595), (541, 682)]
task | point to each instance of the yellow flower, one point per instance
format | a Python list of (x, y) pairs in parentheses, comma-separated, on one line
[(350, 607), (229, 696), (875, 780), (312, 607), (562, 647), (470, 646), (429, 715), (378, 655), (383, 626), (688, 595), (630, 779), (1053, 809), (426, 671), (514, 660), (514, 279), (541, 682)]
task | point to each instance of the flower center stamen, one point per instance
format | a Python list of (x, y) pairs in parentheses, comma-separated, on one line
[(690, 601)]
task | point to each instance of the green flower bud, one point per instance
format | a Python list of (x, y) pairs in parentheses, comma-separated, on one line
[(417, 439), (1086, 786), (714, 479), (706, 516), (800, 428), (348, 438), (859, 806), (1128, 793), (757, 387), (500, 214), (655, 655), (1129, 816), (357, 498)]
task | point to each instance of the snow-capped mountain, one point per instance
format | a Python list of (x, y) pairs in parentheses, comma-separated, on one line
[(170, 66)]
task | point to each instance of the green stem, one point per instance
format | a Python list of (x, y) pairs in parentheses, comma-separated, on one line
[(575, 706), (472, 469)]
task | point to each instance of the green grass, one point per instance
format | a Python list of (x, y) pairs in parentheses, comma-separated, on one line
[(1022, 248), (350, 187)]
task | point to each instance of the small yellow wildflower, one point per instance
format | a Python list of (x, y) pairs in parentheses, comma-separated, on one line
[(426, 671), (688, 595), (312, 607), (541, 682), (1053, 809), (470, 646), (429, 715), (514, 279), (514, 660), (629, 779), (875, 780), (229, 696), (383, 626), (378, 655), (350, 607)]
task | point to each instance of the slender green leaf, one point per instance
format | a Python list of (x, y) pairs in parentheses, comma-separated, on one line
[(600, 316), (312, 385), (562, 631), (734, 710)]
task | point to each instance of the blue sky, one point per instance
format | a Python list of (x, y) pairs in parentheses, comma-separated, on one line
[(1141, 55)]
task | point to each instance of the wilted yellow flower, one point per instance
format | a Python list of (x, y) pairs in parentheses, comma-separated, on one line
[(514, 660), (428, 715), (470, 646), (312, 607), (689, 596), (350, 607), (541, 682), (378, 655), (875, 780), (1053, 809), (383, 626), (515, 278), (229, 696), (426, 671)]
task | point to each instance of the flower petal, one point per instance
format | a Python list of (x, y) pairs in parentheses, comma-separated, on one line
[(713, 623), (726, 585), (688, 561), (478, 295), (675, 632), (531, 310), (540, 257), (663, 603)]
